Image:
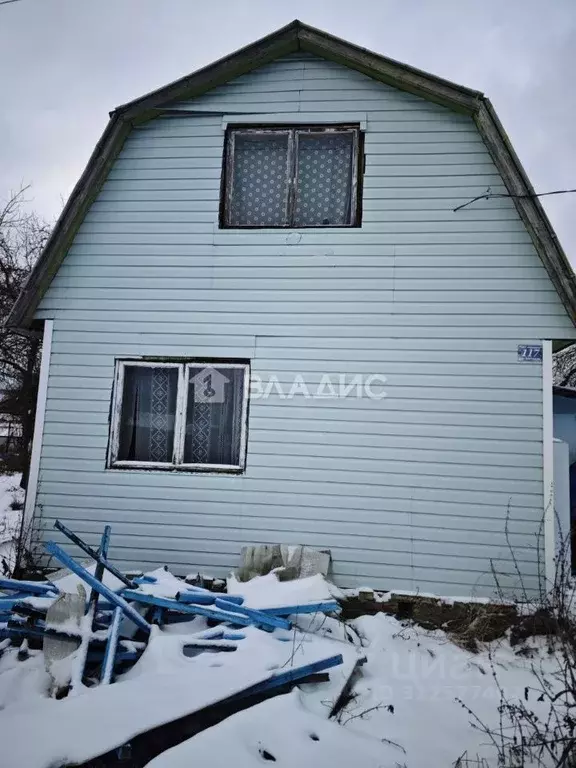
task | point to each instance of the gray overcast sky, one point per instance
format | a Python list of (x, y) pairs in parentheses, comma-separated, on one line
[(64, 64)]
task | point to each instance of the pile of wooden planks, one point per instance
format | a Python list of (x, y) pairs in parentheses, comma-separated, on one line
[(112, 631)]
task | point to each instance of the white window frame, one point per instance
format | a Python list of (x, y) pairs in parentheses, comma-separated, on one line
[(177, 463)]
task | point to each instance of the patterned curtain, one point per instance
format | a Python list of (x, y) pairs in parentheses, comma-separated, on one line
[(148, 414), (260, 188), (214, 416), (324, 183)]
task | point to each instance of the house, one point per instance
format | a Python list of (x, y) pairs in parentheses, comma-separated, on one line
[(283, 232), (10, 436), (10, 428)]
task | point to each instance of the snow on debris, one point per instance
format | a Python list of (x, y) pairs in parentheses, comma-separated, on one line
[(22, 682), (404, 706), (268, 592), (164, 685), (69, 582), (165, 584), (77, 729), (280, 731)]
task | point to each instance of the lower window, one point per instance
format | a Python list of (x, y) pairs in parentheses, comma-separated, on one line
[(173, 415)]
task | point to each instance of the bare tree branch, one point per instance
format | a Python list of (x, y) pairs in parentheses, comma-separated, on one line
[(22, 238)]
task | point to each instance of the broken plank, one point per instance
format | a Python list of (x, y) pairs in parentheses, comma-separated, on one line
[(30, 587), (122, 711), (89, 623), (23, 609), (144, 580), (207, 598), (291, 675), (331, 606), (100, 559), (111, 646), (258, 617), (53, 549), (99, 571), (199, 598), (9, 603), (278, 731), (200, 610)]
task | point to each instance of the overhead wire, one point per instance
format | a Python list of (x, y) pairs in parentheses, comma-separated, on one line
[(489, 195)]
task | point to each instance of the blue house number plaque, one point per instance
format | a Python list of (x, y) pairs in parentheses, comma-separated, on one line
[(528, 353)]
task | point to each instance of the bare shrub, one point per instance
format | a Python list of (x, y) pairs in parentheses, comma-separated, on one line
[(539, 729)]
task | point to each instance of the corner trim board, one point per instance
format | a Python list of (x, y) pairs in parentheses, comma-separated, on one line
[(548, 465), (32, 489)]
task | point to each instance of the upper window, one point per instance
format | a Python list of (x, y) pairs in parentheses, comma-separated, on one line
[(291, 177), (172, 415)]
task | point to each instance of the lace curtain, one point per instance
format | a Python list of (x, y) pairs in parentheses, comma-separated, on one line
[(260, 180), (263, 167), (148, 414), (324, 183), (214, 416)]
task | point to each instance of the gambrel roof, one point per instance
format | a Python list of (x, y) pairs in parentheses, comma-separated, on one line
[(289, 39)]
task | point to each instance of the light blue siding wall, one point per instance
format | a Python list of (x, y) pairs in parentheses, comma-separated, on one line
[(409, 491)]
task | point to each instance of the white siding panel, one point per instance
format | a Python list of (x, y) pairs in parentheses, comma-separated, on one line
[(410, 491)]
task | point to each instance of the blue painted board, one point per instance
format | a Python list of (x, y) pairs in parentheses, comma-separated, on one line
[(207, 598), (257, 617), (25, 630), (291, 675), (111, 646), (7, 603), (99, 571), (199, 598), (29, 587), (100, 558), (200, 610), (53, 549), (330, 606)]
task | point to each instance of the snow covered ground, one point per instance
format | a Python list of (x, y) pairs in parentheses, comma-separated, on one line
[(10, 495), (405, 707), (408, 705), (417, 684)]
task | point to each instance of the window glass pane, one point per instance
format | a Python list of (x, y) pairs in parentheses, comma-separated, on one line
[(324, 184), (260, 181), (148, 413), (214, 415)]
